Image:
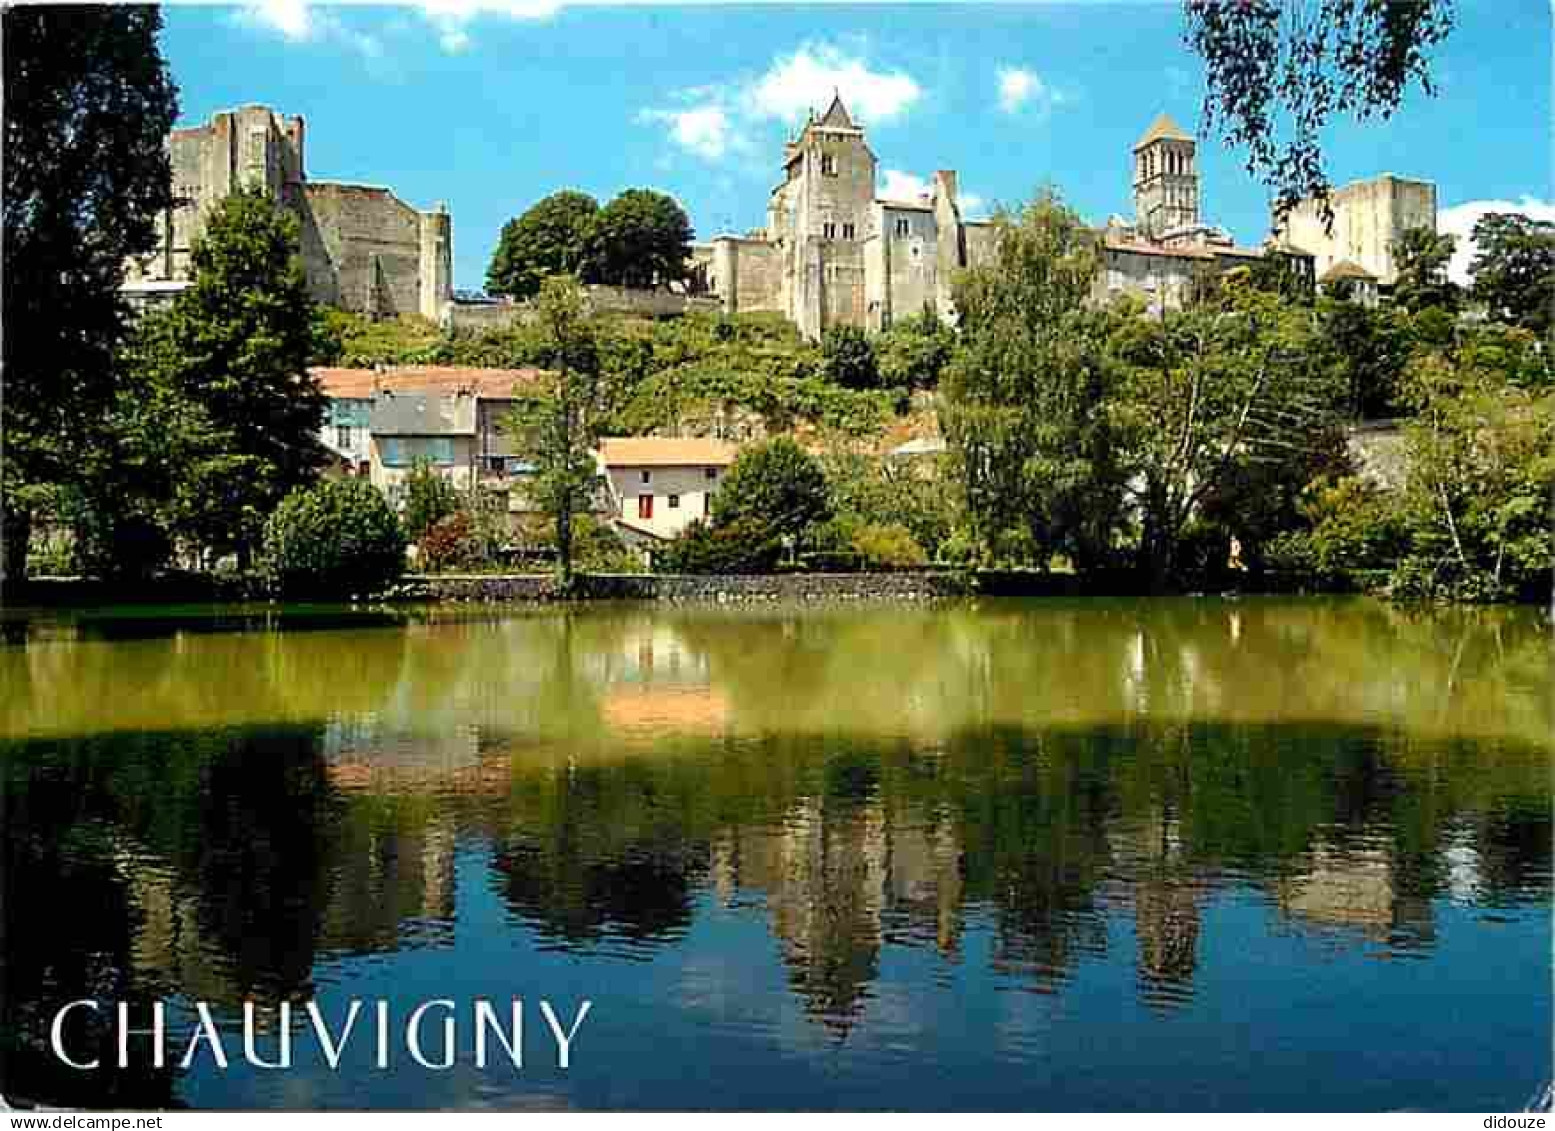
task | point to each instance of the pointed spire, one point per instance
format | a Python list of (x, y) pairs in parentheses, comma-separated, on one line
[(836, 114), (1162, 128)]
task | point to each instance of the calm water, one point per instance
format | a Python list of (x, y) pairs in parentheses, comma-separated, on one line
[(1103, 855)]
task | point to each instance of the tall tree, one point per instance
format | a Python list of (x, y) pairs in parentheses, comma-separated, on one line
[(88, 105), (550, 238), (236, 344), (1421, 257), (1226, 407), (1022, 393), (1514, 269), (1278, 71), (557, 423), (641, 238)]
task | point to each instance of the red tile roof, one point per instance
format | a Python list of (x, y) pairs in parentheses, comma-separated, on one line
[(360, 384)]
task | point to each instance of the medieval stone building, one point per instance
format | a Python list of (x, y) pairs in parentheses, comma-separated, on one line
[(363, 248), (1369, 218), (832, 253)]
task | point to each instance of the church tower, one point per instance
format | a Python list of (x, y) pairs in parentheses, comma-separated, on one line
[(1166, 179)]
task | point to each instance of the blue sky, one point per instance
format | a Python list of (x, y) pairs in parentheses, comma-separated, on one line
[(490, 105)]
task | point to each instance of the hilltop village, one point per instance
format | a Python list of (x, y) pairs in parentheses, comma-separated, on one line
[(833, 253)]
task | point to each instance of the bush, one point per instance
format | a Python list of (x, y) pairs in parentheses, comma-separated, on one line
[(336, 538), (850, 359), (429, 498), (888, 547), (449, 544), (776, 484), (746, 545)]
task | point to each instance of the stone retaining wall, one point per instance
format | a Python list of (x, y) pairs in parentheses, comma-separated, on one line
[(919, 585)]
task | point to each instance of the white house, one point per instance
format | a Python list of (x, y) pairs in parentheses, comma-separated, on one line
[(659, 486)]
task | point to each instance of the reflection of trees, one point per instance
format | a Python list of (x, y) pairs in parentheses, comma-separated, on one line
[(585, 854)]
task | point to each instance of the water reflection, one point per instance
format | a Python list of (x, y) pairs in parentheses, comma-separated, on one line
[(638, 788)]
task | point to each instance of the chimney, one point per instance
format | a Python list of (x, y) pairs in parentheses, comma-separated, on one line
[(945, 183)]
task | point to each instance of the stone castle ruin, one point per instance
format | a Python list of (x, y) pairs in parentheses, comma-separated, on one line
[(831, 252), (363, 248)]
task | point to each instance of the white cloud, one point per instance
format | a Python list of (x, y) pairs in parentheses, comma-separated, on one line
[(1021, 86), (1459, 221), (452, 18), (809, 77), (712, 122), (293, 19), (896, 184), (703, 130)]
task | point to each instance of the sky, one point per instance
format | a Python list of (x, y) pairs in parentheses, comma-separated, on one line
[(490, 105)]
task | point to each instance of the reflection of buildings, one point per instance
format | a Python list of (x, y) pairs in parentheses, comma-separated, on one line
[(655, 684), (1165, 892), (1358, 890), (837, 875)]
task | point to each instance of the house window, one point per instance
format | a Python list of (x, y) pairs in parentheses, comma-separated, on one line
[(829, 230), (647, 477), (645, 507), (443, 451), (343, 436), (828, 165), (674, 502), (712, 473), (847, 231), (903, 225)]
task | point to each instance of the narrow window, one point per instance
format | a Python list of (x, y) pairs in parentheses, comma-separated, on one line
[(847, 231), (903, 226), (674, 502), (647, 477), (828, 165), (343, 437), (712, 473), (829, 230)]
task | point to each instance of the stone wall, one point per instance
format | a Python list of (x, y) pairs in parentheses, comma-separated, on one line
[(918, 585), (1369, 216), (363, 249), (599, 298)]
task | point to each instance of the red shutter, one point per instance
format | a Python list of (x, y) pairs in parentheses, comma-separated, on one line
[(645, 506)]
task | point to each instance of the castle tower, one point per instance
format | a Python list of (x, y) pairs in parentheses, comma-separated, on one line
[(829, 193), (1166, 178)]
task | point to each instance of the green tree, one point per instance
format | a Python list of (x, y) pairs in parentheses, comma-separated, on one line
[(1276, 73), (429, 498), (1422, 257), (641, 238), (1368, 348), (551, 238), (1514, 269), (336, 538), (1481, 472), (776, 483), (236, 344), (1225, 413), (914, 351), (850, 359), (1024, 390), (89, 103), (557, 424)]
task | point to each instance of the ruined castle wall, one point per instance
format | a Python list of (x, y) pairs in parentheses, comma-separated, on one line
[(910, 263), (1369, 216), (750, 276), (362, 249)]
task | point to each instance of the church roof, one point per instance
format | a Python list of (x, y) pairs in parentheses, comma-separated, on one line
[(836, 116), (1162, 127)]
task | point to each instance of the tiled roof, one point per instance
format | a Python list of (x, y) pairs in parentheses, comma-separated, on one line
[(360, 384), (659, 451), (1162, 127), (1345, 269), (1142, 247)]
